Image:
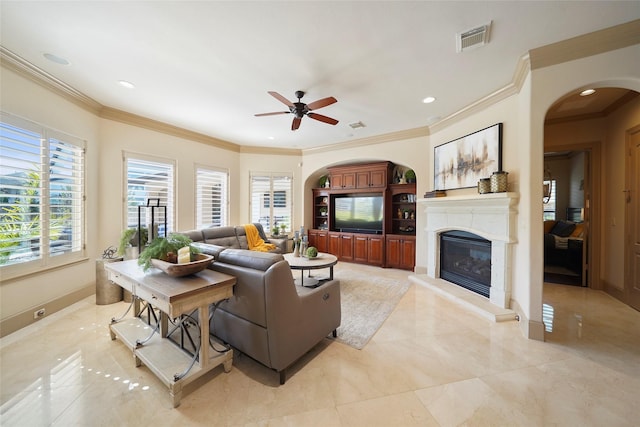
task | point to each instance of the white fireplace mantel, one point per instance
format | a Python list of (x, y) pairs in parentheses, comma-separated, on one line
[(492, 216)]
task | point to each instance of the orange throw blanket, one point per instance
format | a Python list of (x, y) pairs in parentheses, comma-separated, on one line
[(255, 241)]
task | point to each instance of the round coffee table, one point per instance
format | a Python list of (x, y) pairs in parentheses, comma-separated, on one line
[(303, 263)]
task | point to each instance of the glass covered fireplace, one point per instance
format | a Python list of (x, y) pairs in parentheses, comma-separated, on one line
[(465, 259)]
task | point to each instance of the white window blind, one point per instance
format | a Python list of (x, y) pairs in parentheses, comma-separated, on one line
[(149, 182), (211, 197), (550, 206), (41, 197), (266, 187)]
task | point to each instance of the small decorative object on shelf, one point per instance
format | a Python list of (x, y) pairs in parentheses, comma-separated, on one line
[(410, 176), (484, 186), (499, 182), (435, 193)]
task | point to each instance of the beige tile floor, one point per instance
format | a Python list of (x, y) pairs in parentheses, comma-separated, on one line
[(431, 363)]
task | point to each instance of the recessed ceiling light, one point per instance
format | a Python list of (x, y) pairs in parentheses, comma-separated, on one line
[(55, 58), (428, 100), (587, 92), (127, 84), (271, 138)]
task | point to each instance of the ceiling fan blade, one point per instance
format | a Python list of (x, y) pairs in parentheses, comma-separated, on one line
[(272, 114), (321, 103), (296, 123), (281, 98), (322, 118)]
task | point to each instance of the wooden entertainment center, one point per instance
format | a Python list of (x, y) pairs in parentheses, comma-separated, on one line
[(385, 235)]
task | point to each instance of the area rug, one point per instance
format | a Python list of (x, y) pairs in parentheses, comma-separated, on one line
[(367, 298)]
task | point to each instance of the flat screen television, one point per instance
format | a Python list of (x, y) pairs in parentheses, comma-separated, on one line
[(358, 213)]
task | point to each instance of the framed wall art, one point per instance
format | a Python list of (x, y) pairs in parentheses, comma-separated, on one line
[(462, 162)]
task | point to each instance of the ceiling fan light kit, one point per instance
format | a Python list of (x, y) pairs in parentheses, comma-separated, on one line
[(300, 109)]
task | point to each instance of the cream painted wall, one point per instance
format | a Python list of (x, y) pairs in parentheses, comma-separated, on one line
[(117, 138), (21, 97), (614, 220)]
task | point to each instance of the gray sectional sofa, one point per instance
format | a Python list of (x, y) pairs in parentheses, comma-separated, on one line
[(268, 318)]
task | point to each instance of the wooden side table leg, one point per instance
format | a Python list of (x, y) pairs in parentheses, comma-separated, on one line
[(176, 394), (228, 363), (203, 319)]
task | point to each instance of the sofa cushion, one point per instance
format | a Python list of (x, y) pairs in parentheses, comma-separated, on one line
[(251, 259), (563, 228), (242, 236), (209, 249), (221, 236)]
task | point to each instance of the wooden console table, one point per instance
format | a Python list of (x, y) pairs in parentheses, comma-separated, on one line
[(173, 296)]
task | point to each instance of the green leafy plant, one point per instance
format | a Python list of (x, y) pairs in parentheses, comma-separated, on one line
[(166, 249), (322, 181), (410, 175), (129, 237)]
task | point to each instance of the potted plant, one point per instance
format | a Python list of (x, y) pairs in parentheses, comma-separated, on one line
[(322, 182), (275, 230), (165, 249), (410, 175), (129, 237), (323, 211)]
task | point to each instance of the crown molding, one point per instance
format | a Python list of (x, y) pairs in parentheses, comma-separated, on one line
[(513, 88), (250, 149), (154, 125), (612, 38), (26, 69), (372, 140)]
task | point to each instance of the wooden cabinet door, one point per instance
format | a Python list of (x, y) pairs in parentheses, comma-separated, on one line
[(378, 178), (362, 179), (335, 244), (336, 180), (322, 241), (375, 250), (346, 247), (408, 254), (360, 248), (393, 252), (349, 180)]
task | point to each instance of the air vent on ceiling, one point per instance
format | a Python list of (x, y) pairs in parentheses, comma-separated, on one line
[(357, 125), (473, 38)]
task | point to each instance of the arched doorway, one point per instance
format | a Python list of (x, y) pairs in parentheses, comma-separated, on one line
[(595, 127)]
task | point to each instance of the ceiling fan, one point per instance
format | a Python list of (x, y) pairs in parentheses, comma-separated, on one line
[(300, 109)]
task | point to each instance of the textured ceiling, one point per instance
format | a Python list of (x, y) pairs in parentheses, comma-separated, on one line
[(206, 66)]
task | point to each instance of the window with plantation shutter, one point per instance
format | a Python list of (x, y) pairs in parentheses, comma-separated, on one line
[(550, 206), (149, 179), (41, 198), (266, 187), (211, 197)]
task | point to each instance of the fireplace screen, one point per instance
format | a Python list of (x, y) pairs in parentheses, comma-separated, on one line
[(465, 259)]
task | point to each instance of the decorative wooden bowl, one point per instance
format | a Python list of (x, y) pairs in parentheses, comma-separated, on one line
[(178, 270)]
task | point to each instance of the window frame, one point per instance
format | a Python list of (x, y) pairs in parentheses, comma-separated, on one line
[(72, 166), (224, 203), (259, 196), (171, 190)]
